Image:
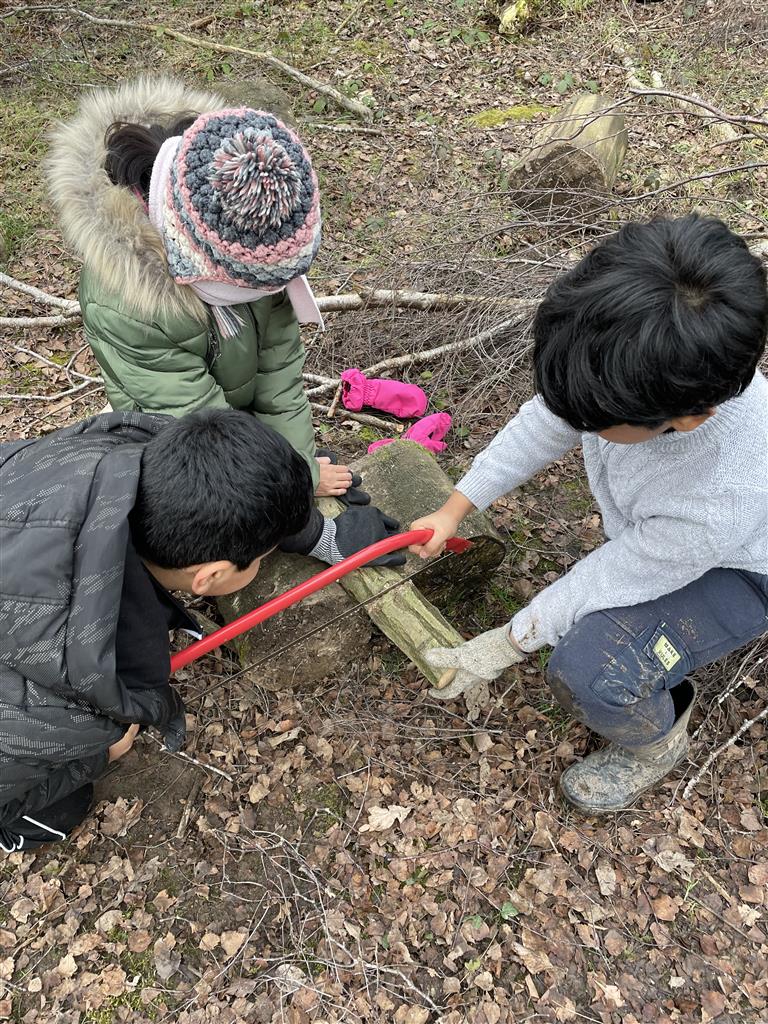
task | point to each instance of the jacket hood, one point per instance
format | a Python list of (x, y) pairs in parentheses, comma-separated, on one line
[(106, 224)]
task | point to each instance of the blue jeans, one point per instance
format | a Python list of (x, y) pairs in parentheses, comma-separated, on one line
[(616, 670)]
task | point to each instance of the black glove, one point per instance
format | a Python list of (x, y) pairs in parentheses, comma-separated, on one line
[(171, 723), (356, 528)]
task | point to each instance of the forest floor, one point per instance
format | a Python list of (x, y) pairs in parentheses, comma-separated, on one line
[(356, 851)]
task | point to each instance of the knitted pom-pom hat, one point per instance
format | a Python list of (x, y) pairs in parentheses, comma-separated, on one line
[(239, 203)]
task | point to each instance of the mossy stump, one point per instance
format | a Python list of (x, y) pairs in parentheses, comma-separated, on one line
[(575, 157)]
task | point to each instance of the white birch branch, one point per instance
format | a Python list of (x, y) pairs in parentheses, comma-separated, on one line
[(721, 749)]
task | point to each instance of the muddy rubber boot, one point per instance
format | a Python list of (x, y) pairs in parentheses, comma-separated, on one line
[(612, 779)]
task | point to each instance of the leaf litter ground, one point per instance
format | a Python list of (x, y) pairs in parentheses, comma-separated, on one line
[(372, 854)]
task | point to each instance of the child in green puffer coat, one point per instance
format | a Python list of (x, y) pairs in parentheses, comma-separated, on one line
[(196, 226)]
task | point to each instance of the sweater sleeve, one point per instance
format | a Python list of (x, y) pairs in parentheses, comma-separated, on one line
[(140, 361), (279, 397), (528, 443), (645, 561)]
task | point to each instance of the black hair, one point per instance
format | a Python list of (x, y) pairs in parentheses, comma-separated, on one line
[(660, 320), (218, 485), (132, 149)]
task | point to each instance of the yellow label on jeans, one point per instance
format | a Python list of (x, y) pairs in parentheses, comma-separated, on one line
[(666, 653)]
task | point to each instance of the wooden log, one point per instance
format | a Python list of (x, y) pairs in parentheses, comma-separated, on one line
[(406, 481), (578, 151), (343, 642)]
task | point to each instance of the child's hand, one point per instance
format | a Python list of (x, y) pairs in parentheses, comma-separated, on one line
[(334, 480), (445, 522), (444, 526), (124, 744)]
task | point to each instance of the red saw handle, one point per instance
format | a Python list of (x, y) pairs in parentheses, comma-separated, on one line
[(310, 586)]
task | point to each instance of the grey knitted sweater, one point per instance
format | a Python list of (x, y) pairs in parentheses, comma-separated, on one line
[(672, 507)]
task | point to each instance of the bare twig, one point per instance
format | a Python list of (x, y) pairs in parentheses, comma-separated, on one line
[(721, 749), (342, 129), (192, 760), (361, 417), (208, 44), (335, 403), (39, 321), (72, 307), (526, 307), (50, 398), (194, 792)]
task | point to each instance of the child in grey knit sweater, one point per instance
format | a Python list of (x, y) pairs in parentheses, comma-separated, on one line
[(645, 355)]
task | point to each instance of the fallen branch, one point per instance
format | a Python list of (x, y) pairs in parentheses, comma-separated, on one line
[(526, 307), (70, 305), (721, 749), (403, 298), (51, 398), (342, 129), (360, 417), (207, 44), (39, 321)]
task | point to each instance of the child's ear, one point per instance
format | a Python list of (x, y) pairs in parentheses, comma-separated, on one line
[(685, 424), (209, 575)]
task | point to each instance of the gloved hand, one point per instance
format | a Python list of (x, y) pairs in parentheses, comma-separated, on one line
[(394, 396), (353, 495), (478, 661), (356, 528), (171, 722)]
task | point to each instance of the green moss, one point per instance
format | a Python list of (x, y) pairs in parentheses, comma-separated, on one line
[(495, 118)]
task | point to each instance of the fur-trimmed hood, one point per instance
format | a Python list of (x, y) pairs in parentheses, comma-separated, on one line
[(105, 223)]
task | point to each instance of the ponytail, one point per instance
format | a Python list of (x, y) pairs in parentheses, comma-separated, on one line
[(132, 149)]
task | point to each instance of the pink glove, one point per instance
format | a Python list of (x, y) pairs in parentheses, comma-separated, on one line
[(428, 432), (403, 400)]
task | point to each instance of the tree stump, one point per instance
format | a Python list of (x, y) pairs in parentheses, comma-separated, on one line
[(575, 157), (405, 481)]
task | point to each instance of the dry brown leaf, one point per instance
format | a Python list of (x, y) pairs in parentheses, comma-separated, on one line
[(67, 966), (166, 961), (286, 737), (483, 981), (21, 909), (673, 861), (232, 941), (606, 877), (259, 789), (531, 959), (382, 818), (713, 1002), (139, 940), (614, 942), (665, 908), (209, 941), (758, 873), (416, 1015)]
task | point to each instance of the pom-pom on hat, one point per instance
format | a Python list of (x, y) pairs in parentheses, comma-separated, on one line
[(238, 203)]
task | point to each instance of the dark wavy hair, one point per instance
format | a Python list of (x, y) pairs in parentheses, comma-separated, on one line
[(660, 320), (132, 149)]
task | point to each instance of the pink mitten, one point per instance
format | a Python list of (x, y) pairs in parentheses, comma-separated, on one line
[(393, 396), (428, 432)]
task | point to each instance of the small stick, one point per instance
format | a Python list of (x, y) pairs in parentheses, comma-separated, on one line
[(361, 417), (192, 760), (194, 792), (721, 749), (335, 403)]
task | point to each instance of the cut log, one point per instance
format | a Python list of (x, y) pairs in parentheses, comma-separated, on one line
[(405, 481), (576, 155), (342, 643)]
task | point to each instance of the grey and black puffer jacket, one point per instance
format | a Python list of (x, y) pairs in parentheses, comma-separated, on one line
[(64, 506)]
